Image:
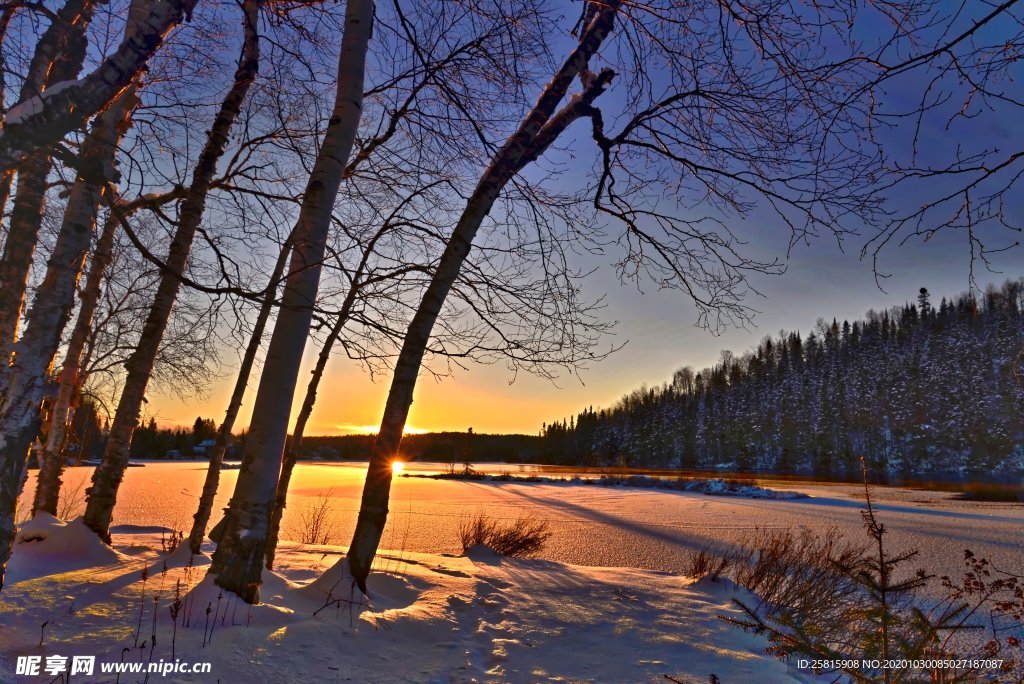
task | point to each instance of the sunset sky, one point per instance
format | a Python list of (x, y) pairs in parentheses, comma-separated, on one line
[(658, 330), (823, 280)]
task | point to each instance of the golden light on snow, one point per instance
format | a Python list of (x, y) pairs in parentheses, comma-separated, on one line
[(397, 467)]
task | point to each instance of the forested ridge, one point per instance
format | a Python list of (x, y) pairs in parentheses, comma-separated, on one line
[(920, 388)]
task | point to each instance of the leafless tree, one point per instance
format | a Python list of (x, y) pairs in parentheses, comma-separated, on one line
[(97, 159), (205, 509), (41, 120), (414, 171), (747, 102), (238, 560), (108, 475), (58, 55)]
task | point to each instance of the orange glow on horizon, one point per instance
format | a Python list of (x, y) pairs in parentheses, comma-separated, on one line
[(372, 430), (482, 400)]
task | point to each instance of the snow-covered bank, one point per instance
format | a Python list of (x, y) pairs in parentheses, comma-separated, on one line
[(714, 486), (431, 617)]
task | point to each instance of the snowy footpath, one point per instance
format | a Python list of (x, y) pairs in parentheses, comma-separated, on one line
[(429, 618)]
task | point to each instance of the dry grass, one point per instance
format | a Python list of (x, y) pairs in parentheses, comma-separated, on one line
[(521, 538), (791, 571), (71, 502), (824, 598), (798, 572), (170, 543), (315, 523), (704, 562)]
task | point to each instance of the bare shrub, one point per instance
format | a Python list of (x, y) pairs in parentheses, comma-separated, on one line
[(521, 538), (314, 525), (72, 498), (799, 571), (826, 600), (170, 543), (704, 562)]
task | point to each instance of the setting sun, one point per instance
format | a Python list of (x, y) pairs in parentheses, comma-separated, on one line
[(397, 467)]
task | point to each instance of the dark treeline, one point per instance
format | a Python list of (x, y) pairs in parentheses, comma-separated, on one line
[(151, 441), (921, 388), (86, 435), (443, 447)]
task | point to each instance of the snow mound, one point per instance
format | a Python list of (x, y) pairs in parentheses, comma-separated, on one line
[(46, 545), (208, 598), (481, 552), (385, 591)]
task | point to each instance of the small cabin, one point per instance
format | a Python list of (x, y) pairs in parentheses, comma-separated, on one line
[(204, 448)]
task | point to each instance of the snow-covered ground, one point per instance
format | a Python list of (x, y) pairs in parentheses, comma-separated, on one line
[(607, 602), (430, 617)]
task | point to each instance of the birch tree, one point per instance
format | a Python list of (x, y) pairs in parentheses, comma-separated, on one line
[(30, 374), (72, 373), (58, 55), (723, 103), (40, 121), (98, 163), (108, 475), (205, 509), (529, 141), (238, 560)]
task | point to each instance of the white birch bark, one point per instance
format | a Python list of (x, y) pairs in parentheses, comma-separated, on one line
[(292, 454), (57, 56), (202, 516), (40, 121), (33, 362), (536, 132), (51, 463), (25, 382), (99, 152), (108, 475), (238, 560)]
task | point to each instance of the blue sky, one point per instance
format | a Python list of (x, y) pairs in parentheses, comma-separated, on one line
[(822, 280)]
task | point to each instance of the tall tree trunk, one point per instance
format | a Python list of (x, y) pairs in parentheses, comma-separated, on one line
[(108, 475), (57, 56), (241, 549), (22, 237), (99, 155), (33, 362), (6, 177), (538, 130), (202, 517), (98, 165), (51, 462), (294, 445), (38, 122)]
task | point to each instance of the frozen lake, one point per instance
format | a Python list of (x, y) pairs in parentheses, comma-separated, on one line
[(591, 525)]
